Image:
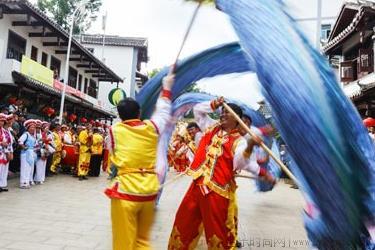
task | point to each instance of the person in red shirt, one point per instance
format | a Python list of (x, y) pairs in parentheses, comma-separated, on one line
[(222, 152)]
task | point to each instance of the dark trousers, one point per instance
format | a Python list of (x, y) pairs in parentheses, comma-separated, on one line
[(95, 164)]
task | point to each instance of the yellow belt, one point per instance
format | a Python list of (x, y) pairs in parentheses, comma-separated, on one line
[(136, 171)]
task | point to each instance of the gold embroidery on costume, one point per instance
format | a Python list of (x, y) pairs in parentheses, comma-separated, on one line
[(175, 240), (194, 243), (215, 243)]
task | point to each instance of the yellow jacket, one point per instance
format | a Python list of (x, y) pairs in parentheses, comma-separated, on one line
[(57, 141), (84, 140), (132, 161), (97, 144)]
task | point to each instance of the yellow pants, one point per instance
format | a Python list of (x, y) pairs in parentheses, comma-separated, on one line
[(131, 224), (83, 164), (56, 159)]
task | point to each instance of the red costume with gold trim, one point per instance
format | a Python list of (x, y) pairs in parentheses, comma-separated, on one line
[(178, 156), (210, 200), (213, 175)]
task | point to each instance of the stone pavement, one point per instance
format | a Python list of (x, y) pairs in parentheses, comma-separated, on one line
[(68, 214)]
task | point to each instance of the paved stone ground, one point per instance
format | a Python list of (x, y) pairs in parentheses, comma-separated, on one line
[(65, 213)]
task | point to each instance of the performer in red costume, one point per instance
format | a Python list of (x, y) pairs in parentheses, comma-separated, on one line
[(221, 153)]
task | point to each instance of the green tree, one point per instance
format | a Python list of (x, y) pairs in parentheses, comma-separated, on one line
[(61, 11), (193, 88), (154, 72)]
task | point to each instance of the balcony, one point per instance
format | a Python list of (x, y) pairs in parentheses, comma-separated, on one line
[(7, 67), (358, 67)]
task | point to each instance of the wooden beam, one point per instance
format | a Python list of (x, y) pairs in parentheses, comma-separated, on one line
[(87, 66), (13, 12), (24, 23), (78, 59), (55, 44), (105, 80), (41, 34), (100, 76), (63, 52), (28, 19), (92, 71)]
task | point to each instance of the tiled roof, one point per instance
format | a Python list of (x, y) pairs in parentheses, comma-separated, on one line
[(362, 5), (357, 88), (114, 40)]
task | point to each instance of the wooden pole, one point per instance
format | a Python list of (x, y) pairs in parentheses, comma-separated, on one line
[(246, 176), (174, 67), (264, 146), (172, 180)]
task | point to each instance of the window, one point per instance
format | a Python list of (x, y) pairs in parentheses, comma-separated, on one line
[(55, 66), (79, 82), (92, 89), (16, 46), (86, 86), (365, 62), (325, 31), (348, 71), (72, 81), (34, 53), (44, 59)]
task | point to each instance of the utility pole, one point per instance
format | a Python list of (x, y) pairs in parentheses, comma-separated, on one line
[(318, 23), (79, 8), (104, 25)]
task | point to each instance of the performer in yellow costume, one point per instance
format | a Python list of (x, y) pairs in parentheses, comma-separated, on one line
[(85, 141), (56, 159), (96, 153), (134, 186)]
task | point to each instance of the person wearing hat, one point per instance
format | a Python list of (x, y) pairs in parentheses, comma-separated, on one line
[(17, 130), (28, 143), (67, 137), (5, 151), (52, 146), (37, 149), (9, 150), (9, 134), (44, 150), (96, 153), (85, 142), (369, 123), (55, 127)]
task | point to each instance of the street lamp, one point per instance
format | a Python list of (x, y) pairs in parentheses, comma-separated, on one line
[(80, 7)]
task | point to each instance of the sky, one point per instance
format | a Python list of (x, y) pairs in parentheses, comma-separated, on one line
[(164, 23)]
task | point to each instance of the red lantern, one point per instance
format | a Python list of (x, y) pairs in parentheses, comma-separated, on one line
[(83, 120), (72, 117), (50, 111), (369, 122)]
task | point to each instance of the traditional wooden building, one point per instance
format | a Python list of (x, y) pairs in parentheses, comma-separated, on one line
[(352, 42), (33, 51), (123, 54)]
